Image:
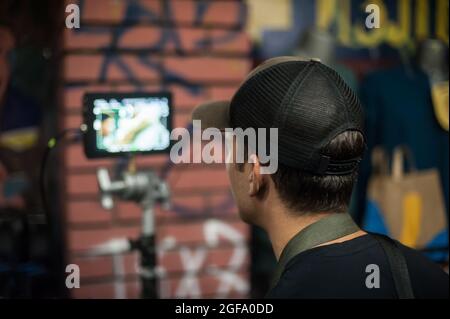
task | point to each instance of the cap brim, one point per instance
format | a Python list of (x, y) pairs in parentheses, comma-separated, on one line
[(213, 114)]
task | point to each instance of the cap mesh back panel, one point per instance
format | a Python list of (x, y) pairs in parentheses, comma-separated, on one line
[(352, 103), (258, 100), (321, 107)]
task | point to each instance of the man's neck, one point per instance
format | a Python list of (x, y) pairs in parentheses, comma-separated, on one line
[(282, 230)]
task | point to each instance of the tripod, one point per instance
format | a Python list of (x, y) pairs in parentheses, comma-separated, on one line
[(146, 189)]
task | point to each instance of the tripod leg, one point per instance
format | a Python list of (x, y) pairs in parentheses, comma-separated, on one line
[(148, 262)]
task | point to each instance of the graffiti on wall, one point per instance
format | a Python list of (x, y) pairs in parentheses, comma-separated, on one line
[(402, 24), (198, 50)]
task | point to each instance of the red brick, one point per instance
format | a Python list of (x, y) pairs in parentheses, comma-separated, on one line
[(183, 99), (88, 68), (131, 263), (182, 120), (221, 200), (111, 11), (223, 13), (208, 209), (75, 158), (183, 11), (208, 285), (178, 180), (198, 178), (197, 206), (208, 69), (190, 39), (73, 96), (196, 203), (102, 266), (172, 263), (82, 184), (187, 233), (141, 37), (186, 100), (148, 37), (222, 258), (145, 37), (81, 212), (106, 290), (79, 39), (93, 291), (237, 42), (71, 121), (194, 232), (151, 161), (99, 266), (128, 210), (82, 240), (208, 288)]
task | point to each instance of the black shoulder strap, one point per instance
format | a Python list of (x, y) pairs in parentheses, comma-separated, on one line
[(397, 263)]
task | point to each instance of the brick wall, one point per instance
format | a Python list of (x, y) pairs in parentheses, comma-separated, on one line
[(199, 51)]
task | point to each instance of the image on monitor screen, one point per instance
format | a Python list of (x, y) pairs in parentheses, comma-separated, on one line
[(135, 124)]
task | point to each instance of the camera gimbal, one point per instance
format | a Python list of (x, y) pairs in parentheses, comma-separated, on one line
[(146, 189)]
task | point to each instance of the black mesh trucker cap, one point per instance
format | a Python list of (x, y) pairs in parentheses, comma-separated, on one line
[(307, 101)]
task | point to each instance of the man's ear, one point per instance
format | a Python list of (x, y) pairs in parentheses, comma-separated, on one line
[(256, 180)]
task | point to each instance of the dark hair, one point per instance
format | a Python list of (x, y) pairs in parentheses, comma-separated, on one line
[(304, 192)]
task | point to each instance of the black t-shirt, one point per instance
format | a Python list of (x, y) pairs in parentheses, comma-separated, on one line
[(339, 271)]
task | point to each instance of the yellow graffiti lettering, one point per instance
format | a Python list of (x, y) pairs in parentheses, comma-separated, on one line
[(442, 20), (344, 22), (325, 13), (422, 19), (399, 33)]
